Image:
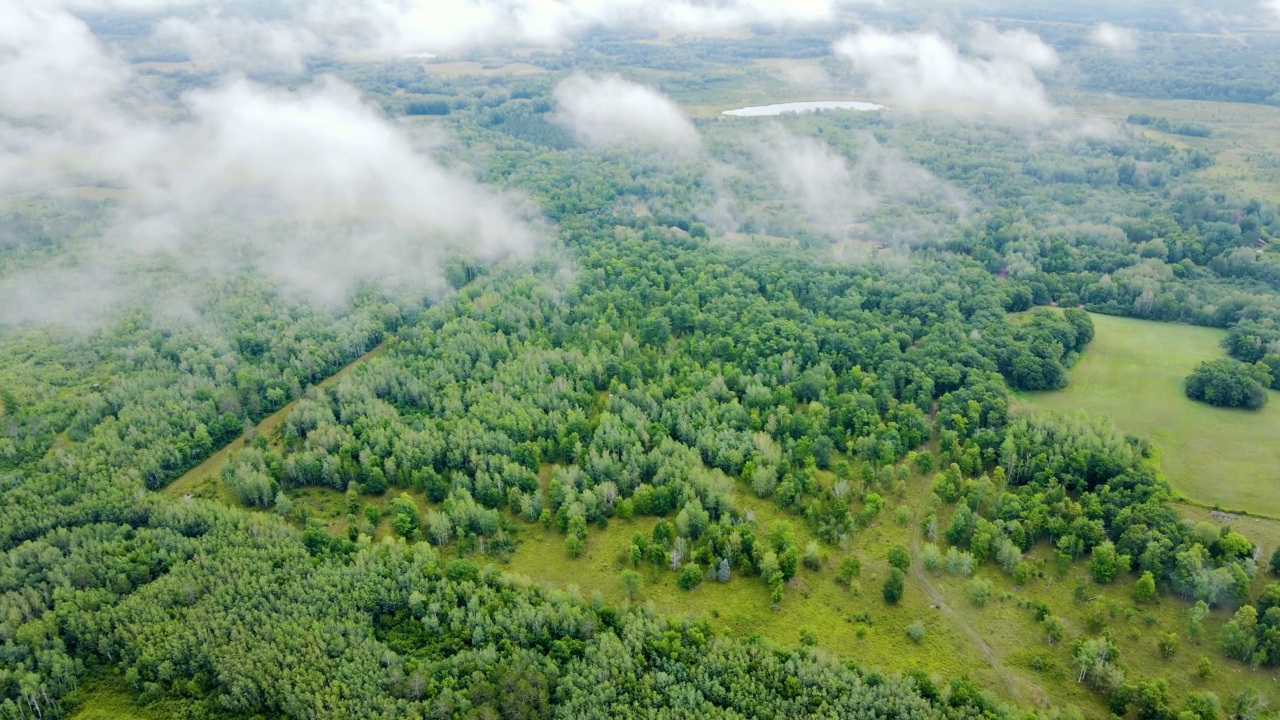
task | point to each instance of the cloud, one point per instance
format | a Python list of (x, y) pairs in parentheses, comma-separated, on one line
[(288, 31), (1272, 7), (924, 71), (1118, 40), (310, 186), (608, 111), (839, 190)]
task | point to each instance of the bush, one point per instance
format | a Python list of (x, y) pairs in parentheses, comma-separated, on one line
[(690, 577), (812, 557), (959, 562), (850, 568), (893, 586), (979, 591), (1229, 383), (899, 557), (1144, 591), (915, 631), (931, 558)]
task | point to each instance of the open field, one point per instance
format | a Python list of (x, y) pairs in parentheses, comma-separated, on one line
[(1133, 373), (1245, 143)]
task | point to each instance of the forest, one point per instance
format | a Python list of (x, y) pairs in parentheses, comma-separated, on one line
[(786, 355)]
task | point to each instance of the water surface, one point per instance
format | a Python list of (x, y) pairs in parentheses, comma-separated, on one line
[(768, 110)]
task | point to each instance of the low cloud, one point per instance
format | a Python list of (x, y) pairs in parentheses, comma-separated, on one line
[(837, 190), (1118, 40), (1272, 8), (608, 111), (310, 186), (995, 78), (289, 31)]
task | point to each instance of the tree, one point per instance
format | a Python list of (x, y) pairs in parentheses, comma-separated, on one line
[(893, 586), (1105, 563), (404, 516), (1144, 590), (1239, 636), (916, 632), (1229, 383), (850, 568), (631, 583), (1167, 644), (690, 577), (899, 557)]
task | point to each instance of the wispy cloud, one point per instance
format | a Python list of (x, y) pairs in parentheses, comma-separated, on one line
[(609, 111), (996, 77)]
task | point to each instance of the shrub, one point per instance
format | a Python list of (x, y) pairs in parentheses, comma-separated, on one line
[(850, 568), (979, 591), (1144, 591), (931, 558), (915, 631), (959, 562), (812, 557)]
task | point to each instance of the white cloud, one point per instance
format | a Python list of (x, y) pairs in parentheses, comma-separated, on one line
[(312, 186), (834, 189), (926, 71), (1119, 40), (402, 27), (608, 111), (1272, 7)]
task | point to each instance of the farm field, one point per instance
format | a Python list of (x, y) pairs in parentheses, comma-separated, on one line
[(1132, 372)]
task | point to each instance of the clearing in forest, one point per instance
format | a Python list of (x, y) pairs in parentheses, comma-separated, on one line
[(1133, 373)]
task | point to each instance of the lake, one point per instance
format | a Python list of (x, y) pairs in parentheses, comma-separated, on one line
[(780, 108)]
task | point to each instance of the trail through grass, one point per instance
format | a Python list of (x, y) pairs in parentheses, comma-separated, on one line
[(1133, 373)]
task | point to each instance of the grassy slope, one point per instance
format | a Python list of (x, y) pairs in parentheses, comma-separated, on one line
[(1011, 640), (1133, 373)]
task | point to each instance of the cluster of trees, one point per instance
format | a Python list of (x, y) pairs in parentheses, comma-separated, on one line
[(1163, 124), (1229, 383)]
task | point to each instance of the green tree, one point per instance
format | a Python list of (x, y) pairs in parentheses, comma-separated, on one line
[(631, 583), (1144, 590), (899, 557), (893, 586)]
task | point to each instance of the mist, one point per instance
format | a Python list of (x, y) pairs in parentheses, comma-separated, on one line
[(1117, 40), (311, 187), (285, 32), (608, 111), (995, 78)]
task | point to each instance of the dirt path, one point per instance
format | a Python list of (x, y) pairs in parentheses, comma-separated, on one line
[(1019, 689), (196, 477)]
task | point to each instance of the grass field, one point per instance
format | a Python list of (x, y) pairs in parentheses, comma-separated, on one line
[(1133, 373)]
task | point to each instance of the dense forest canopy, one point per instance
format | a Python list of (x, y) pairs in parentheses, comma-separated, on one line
[(537, 285)]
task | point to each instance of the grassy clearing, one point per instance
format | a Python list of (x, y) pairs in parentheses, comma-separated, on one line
[(103, 695), (1245, 143), (1133, 373)]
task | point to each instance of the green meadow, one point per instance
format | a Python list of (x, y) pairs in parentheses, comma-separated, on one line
[(1133, 373)]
